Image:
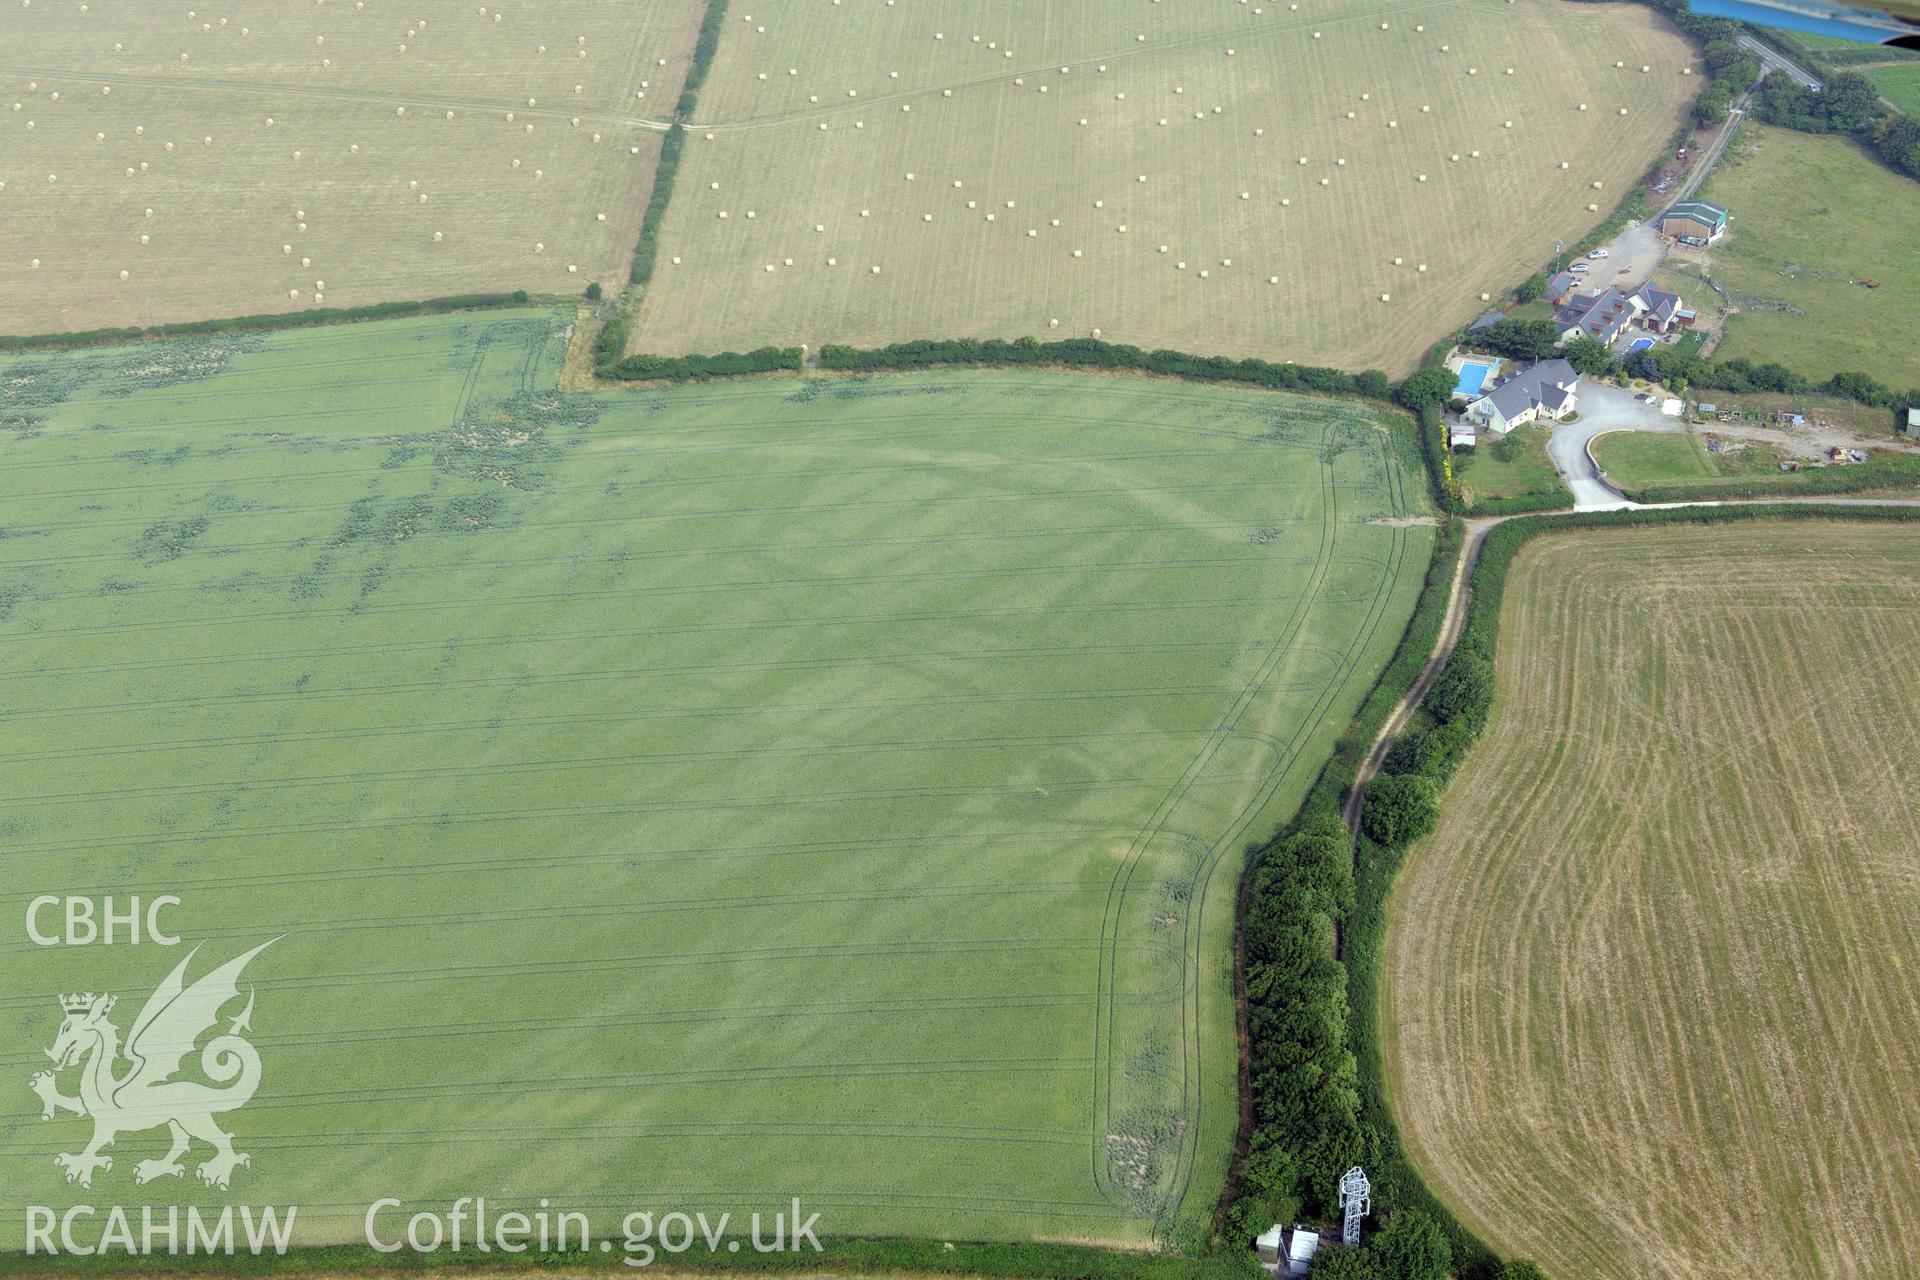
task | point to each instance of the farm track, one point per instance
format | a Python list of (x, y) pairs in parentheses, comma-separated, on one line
[(1656, 991)]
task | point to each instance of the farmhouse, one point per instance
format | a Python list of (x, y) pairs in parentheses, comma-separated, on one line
[(1694, 220), (1660, 311), (1604, 316), (1545, 390)]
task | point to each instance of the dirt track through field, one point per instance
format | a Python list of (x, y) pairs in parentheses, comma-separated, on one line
[(1649, 987)]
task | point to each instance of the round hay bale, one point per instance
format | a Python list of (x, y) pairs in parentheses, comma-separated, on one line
[(874, 270), (1273, 279), (1285, 202), (438, 237), (123, 275), (1421, 267), (1078, 254), (1386, 297), (1596, 184)]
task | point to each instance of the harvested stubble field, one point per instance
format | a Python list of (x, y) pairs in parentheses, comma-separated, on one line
[(1651, 983), (241, 123), (988, 157), (680, 798)]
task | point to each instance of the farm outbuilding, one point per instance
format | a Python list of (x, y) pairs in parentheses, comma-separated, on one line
[(1694, 219), (1913, 424)]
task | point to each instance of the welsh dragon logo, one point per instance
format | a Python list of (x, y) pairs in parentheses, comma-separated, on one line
[(146, 1095)]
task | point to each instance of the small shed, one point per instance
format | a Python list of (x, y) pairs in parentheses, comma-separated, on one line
[(1913, 424), (1461, 436), (1267, 1247), (1300, 1250)]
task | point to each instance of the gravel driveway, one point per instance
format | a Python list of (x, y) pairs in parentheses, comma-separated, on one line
[(1603, 408)]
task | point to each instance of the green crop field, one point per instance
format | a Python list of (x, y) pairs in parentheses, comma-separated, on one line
[(676, 799), (350, 135), (1228, 179), (1648, 989), (1812, 217)]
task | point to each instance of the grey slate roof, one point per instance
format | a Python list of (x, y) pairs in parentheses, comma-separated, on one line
[(1660, 304), (1602, 315), (1486, 322), (1547, 383)]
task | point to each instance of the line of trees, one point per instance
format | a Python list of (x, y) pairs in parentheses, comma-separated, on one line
[(1093, 353), (612, 341), (699, 368)]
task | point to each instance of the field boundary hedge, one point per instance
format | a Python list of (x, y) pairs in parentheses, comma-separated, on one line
[(611, 342), (1856, 477), (289, 320)]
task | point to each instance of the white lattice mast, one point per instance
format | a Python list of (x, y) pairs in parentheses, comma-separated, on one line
[(1356, 1201)]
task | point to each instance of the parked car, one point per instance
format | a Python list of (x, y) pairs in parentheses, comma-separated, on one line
[(1578, 269), (1598, 254)]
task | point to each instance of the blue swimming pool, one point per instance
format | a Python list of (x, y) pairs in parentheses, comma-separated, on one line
[(1473, 375), (1639, 344)]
